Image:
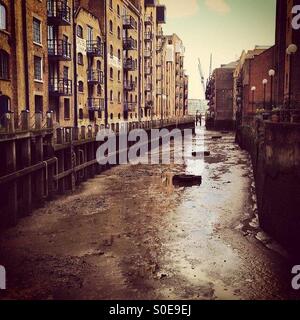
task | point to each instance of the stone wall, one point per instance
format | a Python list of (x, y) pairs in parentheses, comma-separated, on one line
[(275, 153)]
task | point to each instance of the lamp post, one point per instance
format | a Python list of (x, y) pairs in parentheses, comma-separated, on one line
[(253, 89), (291, 50), (271, 75), (265, 82)]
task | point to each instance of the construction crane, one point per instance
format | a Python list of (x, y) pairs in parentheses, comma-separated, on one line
[(201, 76)]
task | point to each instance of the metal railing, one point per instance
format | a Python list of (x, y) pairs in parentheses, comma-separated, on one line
[(94, 48), (59, 49), (58, 12)]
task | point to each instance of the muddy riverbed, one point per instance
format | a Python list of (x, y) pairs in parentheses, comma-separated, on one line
[(130, 234)]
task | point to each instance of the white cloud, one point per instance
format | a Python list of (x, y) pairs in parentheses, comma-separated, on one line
[(181, 9), (219, 6)]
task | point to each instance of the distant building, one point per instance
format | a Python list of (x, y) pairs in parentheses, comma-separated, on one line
[(220, 96), (195, 105)]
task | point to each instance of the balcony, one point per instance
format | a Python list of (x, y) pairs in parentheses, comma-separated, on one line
[(148, 20), (148, 54), (148, 37), (95, 76), (129, 85), (60, 87), (160, 34), (129, 22), (130, 106), (95, 104), (148, 71), (148, 87), (129, 64), (58, 12), (94, 48), (59, 50), (129, 44)]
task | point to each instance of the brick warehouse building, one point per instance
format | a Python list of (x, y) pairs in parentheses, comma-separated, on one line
[(104, 64), (67, 69)]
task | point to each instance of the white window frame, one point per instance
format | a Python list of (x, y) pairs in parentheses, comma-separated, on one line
[(40, 22)]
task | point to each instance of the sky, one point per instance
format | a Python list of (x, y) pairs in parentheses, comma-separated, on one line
[(222, 27)]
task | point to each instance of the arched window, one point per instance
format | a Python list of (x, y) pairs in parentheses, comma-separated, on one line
[(119, 97), (119, 54), (111, 96), (119, 116), (118, 10), (111, 116), (80, 114), (80, 31), (80, 86), (3, 22), (98, 65), (119, 33), (80, 59), (111, 51), (110, 4), (111, 26), (99, 90), (111, 73), (4, 65), (119, 75)]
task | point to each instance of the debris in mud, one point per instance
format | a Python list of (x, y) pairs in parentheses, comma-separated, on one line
[(199, 154), (186, 180)]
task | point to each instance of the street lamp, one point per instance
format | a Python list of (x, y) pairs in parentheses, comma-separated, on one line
[(271, 75), (290, 51), (265, 82), (253, 89)]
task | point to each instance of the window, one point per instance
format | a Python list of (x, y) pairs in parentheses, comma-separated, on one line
[(119, 55), (118, 10), (38, 104), (111, 96), (66, 73), (3, 24), (80, 32), (110, 4), (119, 33), (37, 31), (111, 73), (80, 59), (111, 27), (67, 109), (80, 86), (38, 68), (4, 65), (111, 51), (119, 97), (80, 114), (119, 75), (99, 90), (98, 65)]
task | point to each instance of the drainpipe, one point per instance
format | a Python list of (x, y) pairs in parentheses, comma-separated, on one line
[(105, 66), (25, 49), (75, 68)]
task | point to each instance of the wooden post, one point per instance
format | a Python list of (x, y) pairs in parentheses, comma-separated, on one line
[(11, 216), (26, 181)]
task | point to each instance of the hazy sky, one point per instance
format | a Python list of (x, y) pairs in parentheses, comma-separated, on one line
[(221, 27)]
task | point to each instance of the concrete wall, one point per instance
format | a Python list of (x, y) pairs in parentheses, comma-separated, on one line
[(275, 153)]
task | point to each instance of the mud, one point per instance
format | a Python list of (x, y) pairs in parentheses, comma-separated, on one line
[(130, 234)]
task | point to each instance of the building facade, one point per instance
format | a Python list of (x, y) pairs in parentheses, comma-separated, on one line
[(98, 63)]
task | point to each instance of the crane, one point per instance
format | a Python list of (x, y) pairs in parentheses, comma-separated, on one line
[(201, 76)]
